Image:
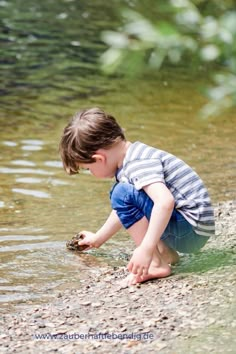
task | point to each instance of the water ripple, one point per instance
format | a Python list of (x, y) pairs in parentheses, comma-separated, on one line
[(31, 147), (32, 246), (23, 163), (29, 180), (9, 143), (34, 193), (22, 238), (25, 170), (32, 142), (53, 164)]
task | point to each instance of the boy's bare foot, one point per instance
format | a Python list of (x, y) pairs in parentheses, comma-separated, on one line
[(154, 272), (169, 255)]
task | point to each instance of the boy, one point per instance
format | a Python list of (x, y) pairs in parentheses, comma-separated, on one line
[(159, 199)]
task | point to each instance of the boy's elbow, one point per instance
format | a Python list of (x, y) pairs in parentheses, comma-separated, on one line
[(170, 203), (166, 205)]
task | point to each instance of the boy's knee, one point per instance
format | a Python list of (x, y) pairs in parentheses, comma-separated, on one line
[(120, 193), (124, 200)]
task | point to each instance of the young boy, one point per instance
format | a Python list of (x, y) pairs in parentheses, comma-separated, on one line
[(159, 199)]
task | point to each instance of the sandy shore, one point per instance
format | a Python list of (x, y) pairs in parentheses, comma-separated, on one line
[(192, 311)]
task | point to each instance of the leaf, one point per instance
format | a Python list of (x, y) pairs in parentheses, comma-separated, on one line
[(115, 39), (209, 52), (111, 60)]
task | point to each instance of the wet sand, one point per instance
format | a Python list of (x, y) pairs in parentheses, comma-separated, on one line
[(192, 311)]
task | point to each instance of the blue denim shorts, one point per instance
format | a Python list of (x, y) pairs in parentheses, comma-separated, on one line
[(132, 205)]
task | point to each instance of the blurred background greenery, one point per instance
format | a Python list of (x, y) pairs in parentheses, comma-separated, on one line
[(178, 31)]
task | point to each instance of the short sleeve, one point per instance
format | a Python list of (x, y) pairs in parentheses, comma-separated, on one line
[(142, 172)]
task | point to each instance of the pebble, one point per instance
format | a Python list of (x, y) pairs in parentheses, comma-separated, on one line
[(85, 303), (96, 304)]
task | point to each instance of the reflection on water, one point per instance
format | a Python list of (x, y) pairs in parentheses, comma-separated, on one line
[(29, 180), (8, 170), (22, 238), (32, 142), (48, 73), (34, 193), (22, 163), (9, 143), (31, 148), (53, 164), (31, 145), (31, 246)]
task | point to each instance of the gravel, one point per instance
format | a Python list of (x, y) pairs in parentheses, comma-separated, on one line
[(191, 311)]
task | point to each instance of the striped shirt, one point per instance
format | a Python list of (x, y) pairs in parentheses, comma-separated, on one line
[(144, 165)]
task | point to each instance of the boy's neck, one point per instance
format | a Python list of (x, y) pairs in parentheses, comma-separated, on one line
[(122, 149), (115, 155), (117, 152)]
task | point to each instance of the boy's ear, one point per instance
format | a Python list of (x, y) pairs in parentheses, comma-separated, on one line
[(99, 157)]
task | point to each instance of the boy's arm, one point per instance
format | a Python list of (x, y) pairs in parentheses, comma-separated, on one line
[(109, 228), (160, 216)]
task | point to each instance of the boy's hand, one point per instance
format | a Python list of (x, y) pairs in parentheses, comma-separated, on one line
[(89, 239), (140, 261)]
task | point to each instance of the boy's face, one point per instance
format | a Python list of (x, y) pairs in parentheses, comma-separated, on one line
[(99, 169)]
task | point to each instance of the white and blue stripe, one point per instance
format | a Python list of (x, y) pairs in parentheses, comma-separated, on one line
[(144, 165)]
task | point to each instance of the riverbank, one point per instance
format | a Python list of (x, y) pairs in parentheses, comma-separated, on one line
[(192, 311)]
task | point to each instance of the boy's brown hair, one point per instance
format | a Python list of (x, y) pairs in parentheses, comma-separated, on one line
[(88, 131)]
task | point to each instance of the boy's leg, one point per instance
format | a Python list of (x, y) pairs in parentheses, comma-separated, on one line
[(159, 268), (134, 209), (138, 231), (168, 253)]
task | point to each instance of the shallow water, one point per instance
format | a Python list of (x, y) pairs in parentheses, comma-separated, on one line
[(45, 80)]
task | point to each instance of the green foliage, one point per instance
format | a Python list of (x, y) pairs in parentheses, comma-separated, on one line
[(186, 28)]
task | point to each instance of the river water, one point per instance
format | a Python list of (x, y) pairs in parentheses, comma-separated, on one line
[(48, 71)]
